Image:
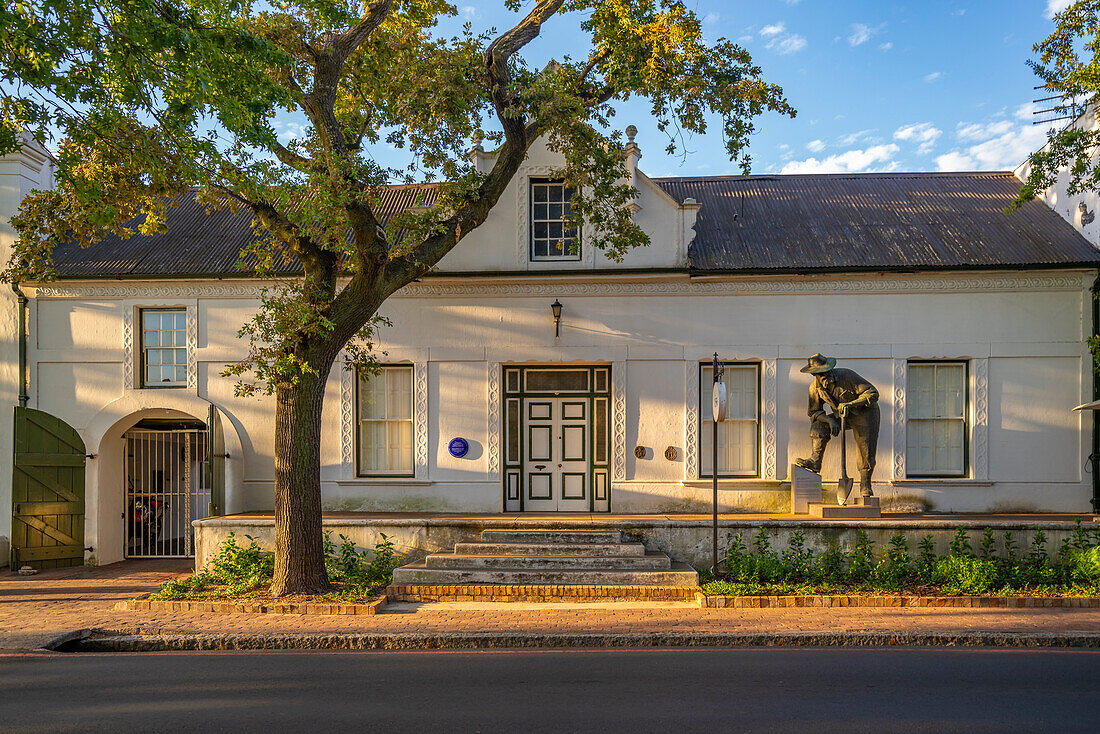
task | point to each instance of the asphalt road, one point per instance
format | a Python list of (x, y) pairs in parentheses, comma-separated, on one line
[(764, 690)]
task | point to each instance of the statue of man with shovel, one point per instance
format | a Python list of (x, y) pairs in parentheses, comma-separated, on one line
[(854, 403)]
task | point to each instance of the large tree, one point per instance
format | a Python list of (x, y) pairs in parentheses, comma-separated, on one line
[(153, 99), (1068, 62)]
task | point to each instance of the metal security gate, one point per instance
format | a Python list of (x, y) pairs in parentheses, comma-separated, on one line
[(167, 487), (47, 492)]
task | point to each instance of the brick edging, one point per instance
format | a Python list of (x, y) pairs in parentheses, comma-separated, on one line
[(538, 593), (846, 600), (229, 607)]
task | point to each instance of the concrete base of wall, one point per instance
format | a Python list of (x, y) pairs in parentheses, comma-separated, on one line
[(684, 538), (5, 551)]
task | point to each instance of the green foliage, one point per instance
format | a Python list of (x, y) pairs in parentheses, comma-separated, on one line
[(246, 570), (800, 569)]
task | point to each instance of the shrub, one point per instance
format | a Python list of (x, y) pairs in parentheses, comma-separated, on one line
[(894, 569), (965, 575), (960, 545), (796, 562), (862, 563)]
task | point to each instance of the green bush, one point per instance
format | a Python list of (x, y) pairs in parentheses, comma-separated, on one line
[(965, 575)]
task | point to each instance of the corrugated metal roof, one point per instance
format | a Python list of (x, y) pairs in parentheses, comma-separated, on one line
[(198, 243), (830, 222), (876, 221)]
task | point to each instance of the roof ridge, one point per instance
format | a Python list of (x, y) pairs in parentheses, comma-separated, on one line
[(876, 174)]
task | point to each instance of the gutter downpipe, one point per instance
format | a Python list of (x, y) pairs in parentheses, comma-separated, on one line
[(24, 398), (1094, 458)]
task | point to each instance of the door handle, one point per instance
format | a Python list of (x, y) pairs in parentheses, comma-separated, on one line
[(540, 467)]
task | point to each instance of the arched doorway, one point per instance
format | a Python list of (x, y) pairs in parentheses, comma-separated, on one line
[(167, 486)]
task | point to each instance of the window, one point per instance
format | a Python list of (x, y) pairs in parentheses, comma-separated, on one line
[(936, 429), (739, 434), (385, 405), (164, 347), (552, 237)]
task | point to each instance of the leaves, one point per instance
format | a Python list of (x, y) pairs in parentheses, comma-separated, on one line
[(150, 101)]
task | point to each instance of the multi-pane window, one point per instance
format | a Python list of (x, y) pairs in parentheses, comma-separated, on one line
[(386, 422), (552, 235), (739, 433), (164, 347), (937, 407)]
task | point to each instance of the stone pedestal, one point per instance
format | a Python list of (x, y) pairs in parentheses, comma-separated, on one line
[(805, 488), (857, 507)]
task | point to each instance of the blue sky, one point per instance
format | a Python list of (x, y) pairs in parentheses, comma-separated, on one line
[(879, 86), (916, 86)]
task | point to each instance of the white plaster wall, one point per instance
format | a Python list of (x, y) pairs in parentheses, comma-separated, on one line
[(20, 173), (1027, 329), (1058, 197)]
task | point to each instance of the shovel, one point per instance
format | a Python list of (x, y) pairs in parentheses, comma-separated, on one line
[(844, 484)]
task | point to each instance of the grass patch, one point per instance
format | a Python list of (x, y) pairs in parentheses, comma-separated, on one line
[(244, 572), (998, 568)]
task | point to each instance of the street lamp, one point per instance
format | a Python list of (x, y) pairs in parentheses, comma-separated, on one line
[(718, 410), (556, 308)]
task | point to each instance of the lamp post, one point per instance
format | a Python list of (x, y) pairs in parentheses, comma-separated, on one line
[(718, 409), (555, 308)]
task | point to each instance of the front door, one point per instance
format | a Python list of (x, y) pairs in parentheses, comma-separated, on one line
[(557, 438), (557, 465)]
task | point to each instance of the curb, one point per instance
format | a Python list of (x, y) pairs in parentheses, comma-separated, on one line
[(539, 592), (793, 600), (157, 605), (102, 641)]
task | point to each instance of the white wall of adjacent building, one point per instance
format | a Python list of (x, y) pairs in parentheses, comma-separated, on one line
[(1021, 335), (20, 173)]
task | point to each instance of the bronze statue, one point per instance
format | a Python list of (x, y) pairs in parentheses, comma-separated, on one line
[(851, 397)]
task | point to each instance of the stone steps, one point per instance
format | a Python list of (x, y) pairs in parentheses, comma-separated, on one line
[(648, 562), (542, 558), (477, 548)]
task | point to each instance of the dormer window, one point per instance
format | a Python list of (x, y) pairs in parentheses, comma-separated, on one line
[(552, 236)]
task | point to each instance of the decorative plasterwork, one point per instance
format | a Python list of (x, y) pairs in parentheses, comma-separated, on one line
[(523, 221), (979, 436), (347, 418), (420, 419), (610, 287), (129, 364), (691, 421), (192, 345), (493, 369), (768, 429), (618, 441), (900, 378)]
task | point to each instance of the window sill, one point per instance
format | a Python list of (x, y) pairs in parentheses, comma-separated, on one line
[(384, 481), (940, 482)]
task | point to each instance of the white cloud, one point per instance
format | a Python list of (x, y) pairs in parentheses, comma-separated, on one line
[(1057, 6), (885, 46), (711, 18), (929, 78), (852, 138), (924, 134), (470, 11), (788, 44), (772, 30), (861, 33), (994, 145), (815, 146), (849, 162)]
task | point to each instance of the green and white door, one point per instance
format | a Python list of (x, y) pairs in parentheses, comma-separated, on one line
[(557, 463), (557, 444)]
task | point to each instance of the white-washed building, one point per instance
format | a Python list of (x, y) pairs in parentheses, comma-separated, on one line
[(971, 322)]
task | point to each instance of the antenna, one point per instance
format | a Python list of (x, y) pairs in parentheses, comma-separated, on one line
[(1059, 106)]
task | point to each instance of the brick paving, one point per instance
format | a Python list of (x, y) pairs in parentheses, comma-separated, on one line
[(36, 609)]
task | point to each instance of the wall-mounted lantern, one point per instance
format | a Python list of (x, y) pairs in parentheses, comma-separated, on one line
[(556, 308)]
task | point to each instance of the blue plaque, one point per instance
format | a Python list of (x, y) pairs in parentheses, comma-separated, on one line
[(458, 447)]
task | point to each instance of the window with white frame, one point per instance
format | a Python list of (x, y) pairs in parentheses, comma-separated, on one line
[(552, 236), (163, 347), (739, 434), (385, 416), (936, 430)]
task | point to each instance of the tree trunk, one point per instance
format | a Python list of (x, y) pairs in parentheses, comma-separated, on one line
[(299, 554)]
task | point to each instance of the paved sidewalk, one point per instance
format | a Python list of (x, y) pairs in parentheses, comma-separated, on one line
[(37, 609)]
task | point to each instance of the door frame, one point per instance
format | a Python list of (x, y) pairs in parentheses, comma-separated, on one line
[(597, 396)]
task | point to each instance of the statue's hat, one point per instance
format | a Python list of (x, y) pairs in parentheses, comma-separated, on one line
[(818, 363)]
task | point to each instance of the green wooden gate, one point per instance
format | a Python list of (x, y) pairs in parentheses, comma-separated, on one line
[(47, 492)]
